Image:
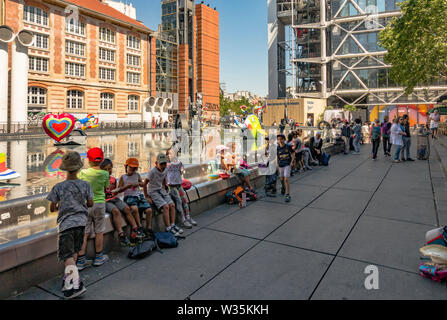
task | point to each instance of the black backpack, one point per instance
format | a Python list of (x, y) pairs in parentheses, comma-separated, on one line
[(143, 249), (166, 240)]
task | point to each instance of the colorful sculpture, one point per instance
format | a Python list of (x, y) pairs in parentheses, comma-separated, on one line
[(5, 172), (58, 127), (52, 164), (89, 122)]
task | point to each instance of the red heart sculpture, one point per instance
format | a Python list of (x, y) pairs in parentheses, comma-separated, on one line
[(58, 127)]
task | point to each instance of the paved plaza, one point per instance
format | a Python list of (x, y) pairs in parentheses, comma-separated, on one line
[(341, 219)]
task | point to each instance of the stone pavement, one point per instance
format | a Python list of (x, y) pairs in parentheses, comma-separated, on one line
[(342, 218)]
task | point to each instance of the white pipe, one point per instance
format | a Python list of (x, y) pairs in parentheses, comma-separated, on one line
[(3, 83), (19, 78)]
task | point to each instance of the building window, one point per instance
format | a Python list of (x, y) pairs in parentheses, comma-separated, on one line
[(107, 35), (37, 96), (107, 74), (133, 149), (74, 69), (35, 15), (75, 99), (133, 42), (40, 41), (133, 78), (107, 55), (107, 100), (75, 26), (76, 48), (133, 60), (38, 64), (133, 102)]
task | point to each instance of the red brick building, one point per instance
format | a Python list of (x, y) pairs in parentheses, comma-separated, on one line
[(87, 58)]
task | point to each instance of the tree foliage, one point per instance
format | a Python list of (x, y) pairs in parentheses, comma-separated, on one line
[(417, 43), (227, 106)]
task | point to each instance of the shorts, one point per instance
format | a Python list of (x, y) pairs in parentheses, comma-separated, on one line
[(434, 126), (160, 198), (70, 242), (115, 203), (140, 202), (97, 217), (284, 172), (241, 172)]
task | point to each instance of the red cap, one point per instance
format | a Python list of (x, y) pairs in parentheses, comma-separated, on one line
[(95, 155)]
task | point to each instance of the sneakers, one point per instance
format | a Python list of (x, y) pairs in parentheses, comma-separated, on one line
[(173, 231), (288, 198), (186, 224), (73, 293), (176, 228), (191, 220), (410, 159), (124, 242), (81, 264), (100, 260)]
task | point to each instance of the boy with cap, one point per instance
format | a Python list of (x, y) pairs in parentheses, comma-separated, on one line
[(131, 182), (286, 160), (155, 189), (71, 198), (98, 180)]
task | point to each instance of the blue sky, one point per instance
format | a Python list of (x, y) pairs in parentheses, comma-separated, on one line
[(243, 40)]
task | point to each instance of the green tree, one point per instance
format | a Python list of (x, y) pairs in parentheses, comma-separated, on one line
[(351, 108), (417, 43)]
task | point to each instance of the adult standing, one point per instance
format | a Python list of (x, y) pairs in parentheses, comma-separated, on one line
[(282, 126), (396, 137), (345, 135), (386, 131), (357, 136), (310, 121), (375, 138), (406, 140), (434, 123)]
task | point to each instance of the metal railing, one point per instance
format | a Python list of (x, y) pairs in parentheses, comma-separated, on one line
[(36, 128)]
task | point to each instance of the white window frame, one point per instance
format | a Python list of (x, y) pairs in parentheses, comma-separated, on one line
[(133, 60), (132, 76), (133, 103), (39, 95), (75, 99), (75, 26), (41, 39), (107, 101), (133, 42), (38, 64), (75, 48), (108, 55), (75, 69), (107, 35), (107, 74), (35, 15)]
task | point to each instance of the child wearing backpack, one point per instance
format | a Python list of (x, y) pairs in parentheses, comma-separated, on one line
[(174, 178), (155, 191), (131, 182), (71, 198), (98, 180), (375, 138), (115, 206)]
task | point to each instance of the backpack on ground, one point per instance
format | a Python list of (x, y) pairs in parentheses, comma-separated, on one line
[(433, 271), (325, 159), (165, 240), (230, 198), (437, 236), (142, 249)]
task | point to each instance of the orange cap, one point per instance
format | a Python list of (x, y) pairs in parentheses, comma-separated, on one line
[(132, 162)]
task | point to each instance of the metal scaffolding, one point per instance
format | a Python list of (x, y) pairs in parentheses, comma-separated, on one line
[(333, 53)]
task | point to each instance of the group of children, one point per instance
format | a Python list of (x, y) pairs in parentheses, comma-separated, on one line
[(83, 199)]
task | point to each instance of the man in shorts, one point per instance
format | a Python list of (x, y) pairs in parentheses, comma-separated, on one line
[(286, 160), (155, 192)]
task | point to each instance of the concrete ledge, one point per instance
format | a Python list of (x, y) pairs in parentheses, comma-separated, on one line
[(32, 260)]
